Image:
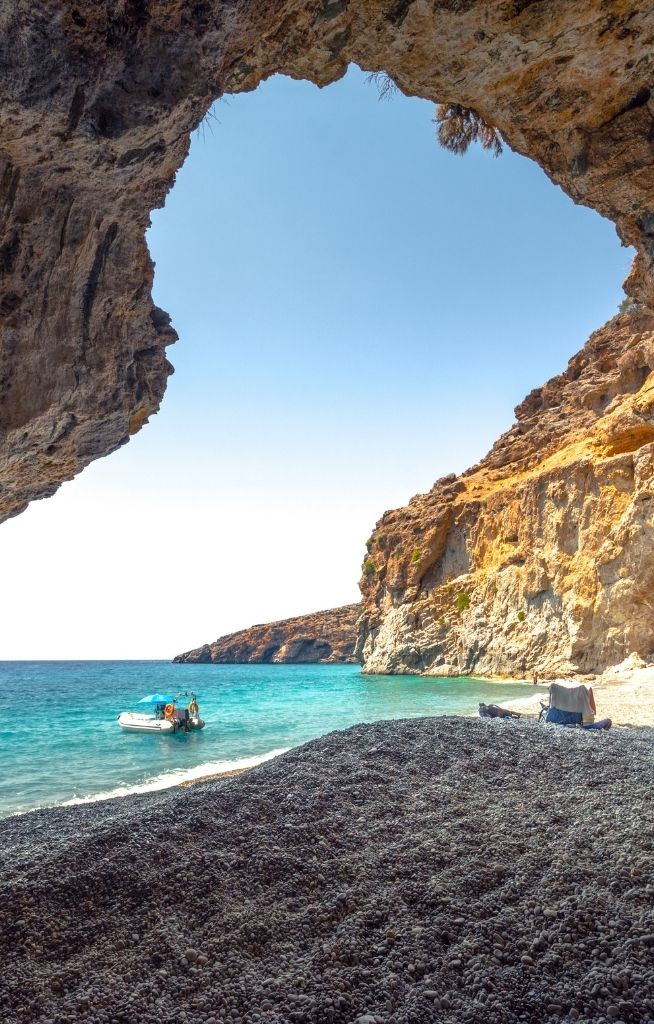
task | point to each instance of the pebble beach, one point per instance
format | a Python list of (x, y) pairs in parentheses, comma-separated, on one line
[(438, 869)]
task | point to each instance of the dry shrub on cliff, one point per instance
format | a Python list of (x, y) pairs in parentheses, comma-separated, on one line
[(457, 127), (208, 121), (386, 87)]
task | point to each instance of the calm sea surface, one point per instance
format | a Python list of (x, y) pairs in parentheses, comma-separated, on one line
[(60, 742)]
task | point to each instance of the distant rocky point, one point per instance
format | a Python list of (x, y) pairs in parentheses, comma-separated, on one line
[(326, 637)]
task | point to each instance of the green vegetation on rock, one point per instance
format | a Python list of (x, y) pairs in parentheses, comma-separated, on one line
[(628, 305), (462, 601)]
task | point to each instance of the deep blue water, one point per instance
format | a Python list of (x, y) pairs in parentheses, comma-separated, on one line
[(60, 742)]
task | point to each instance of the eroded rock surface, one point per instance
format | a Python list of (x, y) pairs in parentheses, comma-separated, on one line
[(322, 637), (540, 558), (98, 100)]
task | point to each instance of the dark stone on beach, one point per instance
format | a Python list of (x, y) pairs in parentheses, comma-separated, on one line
[(442, 869)]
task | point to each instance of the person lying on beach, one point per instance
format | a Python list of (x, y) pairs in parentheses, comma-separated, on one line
[(494, 711)]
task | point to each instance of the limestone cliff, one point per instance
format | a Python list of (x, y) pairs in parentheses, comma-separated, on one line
[(323, 637), (99, 98), (540, 558)]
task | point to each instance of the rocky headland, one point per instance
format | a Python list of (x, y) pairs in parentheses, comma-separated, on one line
[(321, 637), (448, 870), (541, 557)]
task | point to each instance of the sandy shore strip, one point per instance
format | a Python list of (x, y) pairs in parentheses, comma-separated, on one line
[(218, 775), (624, 694), (434, 869)]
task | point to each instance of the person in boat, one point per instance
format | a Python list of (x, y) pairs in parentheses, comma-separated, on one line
[(181, 718), (193, 708)]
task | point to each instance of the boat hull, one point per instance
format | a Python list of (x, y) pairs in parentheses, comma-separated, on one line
[(133, 722)]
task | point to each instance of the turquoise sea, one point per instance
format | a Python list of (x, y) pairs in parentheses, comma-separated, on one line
[(60, 742)]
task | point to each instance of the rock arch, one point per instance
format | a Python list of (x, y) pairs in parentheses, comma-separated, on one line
[(98, 104)]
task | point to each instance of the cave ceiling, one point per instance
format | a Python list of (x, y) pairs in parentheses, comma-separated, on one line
[(98, 103)]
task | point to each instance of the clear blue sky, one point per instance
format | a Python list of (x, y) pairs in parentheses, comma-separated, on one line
[(359, 312)]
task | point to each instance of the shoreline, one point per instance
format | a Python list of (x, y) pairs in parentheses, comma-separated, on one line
[(624, 694)]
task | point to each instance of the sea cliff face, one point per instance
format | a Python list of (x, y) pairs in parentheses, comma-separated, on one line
[(321, 637), (541, 557)]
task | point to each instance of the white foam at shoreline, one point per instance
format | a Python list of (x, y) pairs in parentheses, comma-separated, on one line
[(168, 779)]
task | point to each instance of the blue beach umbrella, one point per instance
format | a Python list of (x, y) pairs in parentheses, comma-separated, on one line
[(156, 698)]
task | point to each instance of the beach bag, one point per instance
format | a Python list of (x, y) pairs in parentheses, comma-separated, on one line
[(558, 717)]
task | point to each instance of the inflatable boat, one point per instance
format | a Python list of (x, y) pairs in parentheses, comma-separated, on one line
[(168, 715), (135, 721)]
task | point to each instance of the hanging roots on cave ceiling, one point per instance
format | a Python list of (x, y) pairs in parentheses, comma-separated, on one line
[(458, 126)]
